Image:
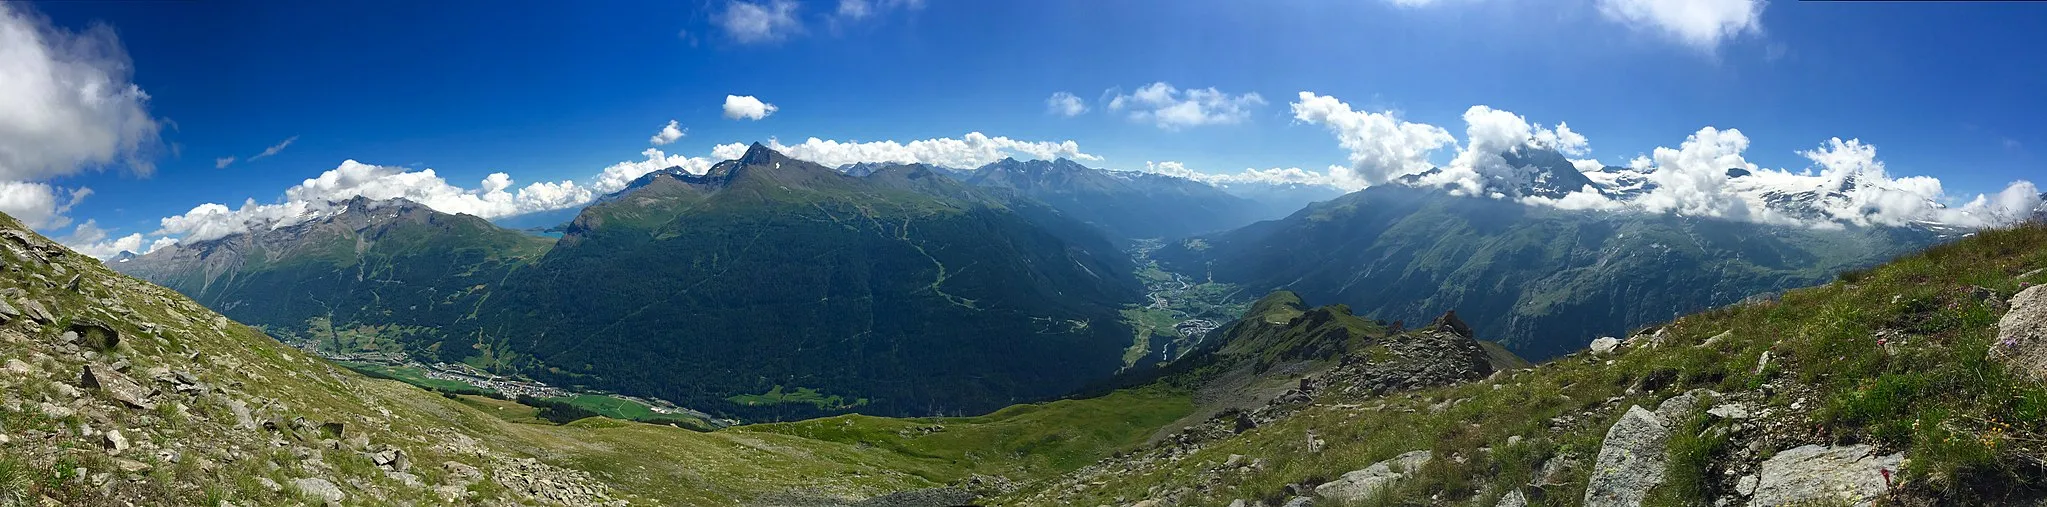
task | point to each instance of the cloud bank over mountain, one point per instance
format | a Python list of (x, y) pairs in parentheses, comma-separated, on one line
[(1706, 175)]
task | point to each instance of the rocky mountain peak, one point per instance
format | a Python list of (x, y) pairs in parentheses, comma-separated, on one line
[(758, 154), (1450, 322)]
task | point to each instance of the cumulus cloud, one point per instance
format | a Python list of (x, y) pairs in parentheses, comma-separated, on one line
[(39, 205), (1846, 185), (67, 103), (754, 23), (1692, 179), (1490, 134), (616, 176), (1701, 24), (1706, 175), (351, 179), (1065, 104), (273, 149), (88, 238), (223, 162), (747, 107), (1173, 109), (972, 150), (1381, 145), (668, 134)]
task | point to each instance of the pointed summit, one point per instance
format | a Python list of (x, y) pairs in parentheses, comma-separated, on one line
[(758, 154), (1450, 322)]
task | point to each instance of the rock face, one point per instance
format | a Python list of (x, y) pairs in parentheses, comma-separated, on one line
[(1360, 485), (1630, 462), (117, 386), (1825, 476), (38, 312), (2022, 334), (1605, 345), (1513, 499), (323, 489)]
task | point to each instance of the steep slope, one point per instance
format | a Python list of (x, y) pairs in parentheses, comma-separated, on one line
[(775, 288), (1129, 205), (1913, 383), (385, 270), (118, 392), (1538, 279)]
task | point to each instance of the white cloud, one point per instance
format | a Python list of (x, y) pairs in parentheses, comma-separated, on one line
[(1381, 146), (223, 162), (1065, 104), (972, 150), (616, 176), (753, 23), (1702, 24), (1489, 135), (668, 134), (66, 101), (747, 107), (1173, 109), (1587, 165), (273, 149), (90, 239), (1692, 179), (1847, 185), (490, 199), (39, 205)]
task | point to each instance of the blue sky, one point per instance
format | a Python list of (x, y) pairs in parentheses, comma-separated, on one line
[(546, 91)]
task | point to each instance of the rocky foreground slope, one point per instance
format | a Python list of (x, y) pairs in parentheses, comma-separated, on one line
[(118, 392), (1915, 383)]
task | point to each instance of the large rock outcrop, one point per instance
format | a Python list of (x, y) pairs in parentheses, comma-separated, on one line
[(1361, 485), (1630, 462), (2022, 334), (1815, 475)]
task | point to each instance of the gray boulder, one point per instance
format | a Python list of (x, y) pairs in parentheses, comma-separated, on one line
[(2022, 334), (1605, 345), (1631, 460), (1813, 474), (117, 386), (1359, 485), (321, 488), (1513, 499), (38, 312)]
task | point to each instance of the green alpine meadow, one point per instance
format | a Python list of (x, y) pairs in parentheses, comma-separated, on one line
[(1001, 253)]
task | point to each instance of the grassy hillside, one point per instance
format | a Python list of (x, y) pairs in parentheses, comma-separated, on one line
[(233, 415), (776, 289), (1895, 357)]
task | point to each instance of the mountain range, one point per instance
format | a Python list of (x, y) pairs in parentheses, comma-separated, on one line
[(902, 291), (773, 288), (1541, 280), (1906, 383)]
